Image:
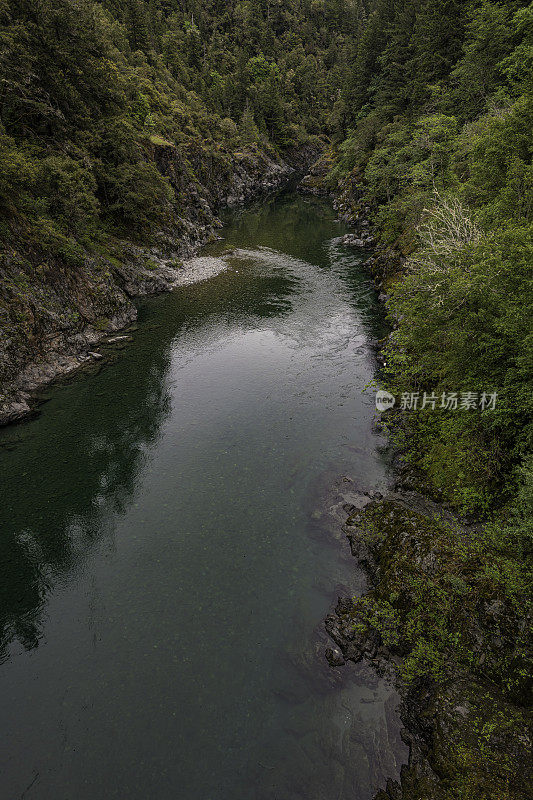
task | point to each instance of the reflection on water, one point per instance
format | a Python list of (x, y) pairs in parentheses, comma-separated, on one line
[(62, 476), (166, 561)]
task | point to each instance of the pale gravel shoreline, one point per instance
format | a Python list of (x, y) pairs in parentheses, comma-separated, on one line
[(198, 269)]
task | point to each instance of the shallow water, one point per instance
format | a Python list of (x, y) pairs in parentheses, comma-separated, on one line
[(167, 556)]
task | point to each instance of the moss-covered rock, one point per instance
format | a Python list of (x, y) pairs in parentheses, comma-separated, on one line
[(454, 637)]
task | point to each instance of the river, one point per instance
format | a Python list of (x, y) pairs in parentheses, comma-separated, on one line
[(167, 550)]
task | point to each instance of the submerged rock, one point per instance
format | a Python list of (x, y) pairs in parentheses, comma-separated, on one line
[(335, 657)]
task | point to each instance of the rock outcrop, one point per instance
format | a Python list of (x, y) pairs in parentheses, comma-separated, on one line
[(467, 737), (54, 309)]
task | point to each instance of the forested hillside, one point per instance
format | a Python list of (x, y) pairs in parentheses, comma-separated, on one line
[(435, 135), (91, 90)]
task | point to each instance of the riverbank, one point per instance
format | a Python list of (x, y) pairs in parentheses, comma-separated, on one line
[(431, 624), (448, 612), (56, 308)]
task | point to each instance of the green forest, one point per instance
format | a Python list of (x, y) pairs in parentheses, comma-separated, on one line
[(438, 119), (91, 91), (420, 113)]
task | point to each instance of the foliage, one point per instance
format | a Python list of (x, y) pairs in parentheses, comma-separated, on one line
[(449, 602), (120, 116), (439, 145), (87, 86), (467, 298)]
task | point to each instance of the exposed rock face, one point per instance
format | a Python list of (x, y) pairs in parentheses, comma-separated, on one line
[(51, 319), (314, 182), (53, 310), (466, 737), (335, 657), (252, 176)]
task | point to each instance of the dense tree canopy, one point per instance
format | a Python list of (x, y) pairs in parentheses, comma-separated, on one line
[(87, 90), (434, 131)]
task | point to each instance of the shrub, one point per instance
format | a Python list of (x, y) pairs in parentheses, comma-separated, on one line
[(139, 196)]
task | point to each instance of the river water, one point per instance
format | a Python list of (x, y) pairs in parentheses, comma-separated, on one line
[(167, 548)]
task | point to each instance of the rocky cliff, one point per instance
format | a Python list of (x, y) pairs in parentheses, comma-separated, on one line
[(56, 304)]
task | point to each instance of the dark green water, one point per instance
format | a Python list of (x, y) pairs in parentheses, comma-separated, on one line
[(166, 558)]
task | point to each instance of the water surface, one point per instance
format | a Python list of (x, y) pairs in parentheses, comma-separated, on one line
[(166, 553)]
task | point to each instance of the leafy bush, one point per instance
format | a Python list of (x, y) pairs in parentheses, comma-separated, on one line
[(69, 190), (139, 196), (465, 305)]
